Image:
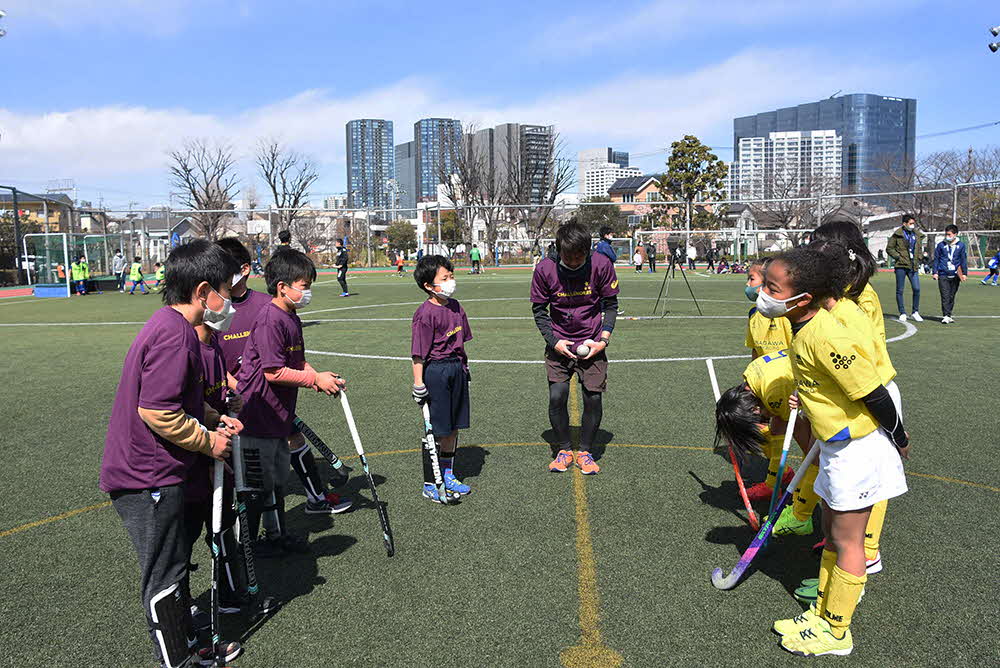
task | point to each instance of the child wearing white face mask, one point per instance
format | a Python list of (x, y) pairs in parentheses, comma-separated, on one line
[(273, 369), (441, 367), (950, 269)]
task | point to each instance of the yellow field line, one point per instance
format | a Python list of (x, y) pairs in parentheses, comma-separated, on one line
[(105, 504), (591, 651), (54, 518)]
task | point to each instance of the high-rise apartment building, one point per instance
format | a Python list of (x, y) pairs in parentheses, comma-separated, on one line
[(594, 157), (436, 143), (370, 163), (878, 132), (515, 152), (599, 177), (787, 164), (335, 202), (406, 176)]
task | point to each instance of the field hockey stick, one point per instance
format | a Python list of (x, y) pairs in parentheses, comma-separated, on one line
[(751, 515), (340, 470), (217, 481), (430, 447), (785, 445), (249, 478), (383, 515), (721, 581)]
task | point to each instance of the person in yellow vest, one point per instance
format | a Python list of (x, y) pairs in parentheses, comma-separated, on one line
[(135, 275), (80, 272), (160, 273)]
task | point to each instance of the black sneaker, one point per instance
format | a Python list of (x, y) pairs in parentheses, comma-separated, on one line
[(206, 656)]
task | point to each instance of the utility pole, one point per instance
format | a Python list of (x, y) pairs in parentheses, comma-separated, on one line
[(18, 260)]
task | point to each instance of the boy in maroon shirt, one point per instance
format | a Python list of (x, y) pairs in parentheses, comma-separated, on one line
[(248, 303), (274, 367), (159, 427), (575, 303), (440, 365)]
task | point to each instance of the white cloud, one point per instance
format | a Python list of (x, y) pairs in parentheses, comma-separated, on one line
[(119, 146), (668, 20), (158, 17)]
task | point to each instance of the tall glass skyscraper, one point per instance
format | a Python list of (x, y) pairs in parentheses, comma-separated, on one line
[(435, 142), (370, 163), (877, 132)]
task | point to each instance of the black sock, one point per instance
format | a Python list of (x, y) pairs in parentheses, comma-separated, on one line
[(593, 411), (559, 413)]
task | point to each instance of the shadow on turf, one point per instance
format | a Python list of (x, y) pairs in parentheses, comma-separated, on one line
[(788, 560), (601, 440)]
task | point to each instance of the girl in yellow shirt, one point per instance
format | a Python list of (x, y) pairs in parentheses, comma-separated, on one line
[(858, 430)]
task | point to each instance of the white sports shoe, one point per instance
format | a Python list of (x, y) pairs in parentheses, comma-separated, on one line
[(916, 316), (872, 566), (947, 320), (902, 317)]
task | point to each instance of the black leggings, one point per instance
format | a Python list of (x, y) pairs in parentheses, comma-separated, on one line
[(593, 411)]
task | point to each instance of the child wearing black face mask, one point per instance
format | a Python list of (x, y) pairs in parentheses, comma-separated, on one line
[(575, 300)]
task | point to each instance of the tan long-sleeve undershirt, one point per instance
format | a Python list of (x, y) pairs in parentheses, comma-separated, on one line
[(179, 428)]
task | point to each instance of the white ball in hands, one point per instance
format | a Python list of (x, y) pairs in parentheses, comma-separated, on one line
[(583, 349)]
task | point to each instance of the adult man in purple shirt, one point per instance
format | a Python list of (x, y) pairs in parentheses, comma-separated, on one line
[(159, 426), (575, 303)]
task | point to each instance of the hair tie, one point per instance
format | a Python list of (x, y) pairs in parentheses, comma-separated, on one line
[(851, 255)]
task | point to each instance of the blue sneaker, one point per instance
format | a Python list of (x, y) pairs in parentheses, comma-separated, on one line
[(453, 484), (430, 492), (345, 294)]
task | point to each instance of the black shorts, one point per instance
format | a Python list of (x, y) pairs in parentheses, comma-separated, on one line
[(447, 384)]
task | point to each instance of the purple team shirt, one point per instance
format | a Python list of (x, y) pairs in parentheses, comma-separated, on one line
[(440, 331), (163, 371), (574, 303), (275, 341), (234, 340)]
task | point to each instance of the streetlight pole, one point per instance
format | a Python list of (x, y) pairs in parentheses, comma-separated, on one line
[(18, 261)]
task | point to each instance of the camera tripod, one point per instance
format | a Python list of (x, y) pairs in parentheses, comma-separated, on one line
[(665, 289)]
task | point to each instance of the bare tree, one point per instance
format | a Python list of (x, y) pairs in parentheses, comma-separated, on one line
[(460, 171), (289, 175), (534, 179), (250, 197), (206, 178)]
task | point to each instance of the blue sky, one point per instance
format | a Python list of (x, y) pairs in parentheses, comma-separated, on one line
[(100, 90)]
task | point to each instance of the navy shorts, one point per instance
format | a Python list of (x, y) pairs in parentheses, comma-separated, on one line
[(447, 384)]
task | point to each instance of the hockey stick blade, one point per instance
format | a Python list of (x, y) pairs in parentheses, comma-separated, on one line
[(430, 444), (726, 582)]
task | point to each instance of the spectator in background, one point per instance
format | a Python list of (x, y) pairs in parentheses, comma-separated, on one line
[(902, 248), (477, 260), (692, 255), (710, 259), (993, 264), (637, 260), (604, 245), (651, 255), (341, 262), (881, 257), (118, 268), (676, 259), (284, 238), (80, 272), (951, 267)]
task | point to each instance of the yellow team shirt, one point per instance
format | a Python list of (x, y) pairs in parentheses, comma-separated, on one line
[(771, 380), (869, 302), (850, 315), (765, 335), (833, 370)]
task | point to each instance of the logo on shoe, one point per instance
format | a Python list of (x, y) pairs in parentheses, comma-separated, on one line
[(842, 361)]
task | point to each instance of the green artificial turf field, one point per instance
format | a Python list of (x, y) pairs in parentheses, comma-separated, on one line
[(532, 563)]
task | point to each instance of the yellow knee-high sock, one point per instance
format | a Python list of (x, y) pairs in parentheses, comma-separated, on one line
[(773, 451), (873, 531), (843, 592), (805, 499), (826, 564)]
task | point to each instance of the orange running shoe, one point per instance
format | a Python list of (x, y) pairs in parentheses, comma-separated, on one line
[(561, 462), (586, 462)]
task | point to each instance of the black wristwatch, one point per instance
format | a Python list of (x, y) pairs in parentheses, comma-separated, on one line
[(606, 342)]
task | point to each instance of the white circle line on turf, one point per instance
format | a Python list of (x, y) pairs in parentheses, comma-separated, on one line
[(911, 329)]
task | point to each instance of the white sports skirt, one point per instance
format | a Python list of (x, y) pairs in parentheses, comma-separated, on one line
[(859, 473)]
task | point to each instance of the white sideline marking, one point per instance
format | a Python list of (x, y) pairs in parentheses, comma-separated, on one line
[(407, 359), (911, 329)]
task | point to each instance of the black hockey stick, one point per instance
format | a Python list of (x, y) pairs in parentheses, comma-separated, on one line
[(430, 451), (218, 653), (383, 515), (341, 471)]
